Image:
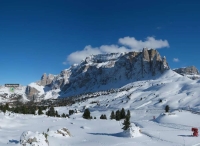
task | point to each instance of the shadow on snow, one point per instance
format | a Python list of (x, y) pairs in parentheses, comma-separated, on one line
[(14, 141), (120, 134)]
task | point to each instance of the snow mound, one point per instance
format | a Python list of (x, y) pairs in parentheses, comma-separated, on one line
[(133, 131), (29, 138), (166, 117), (59, 133)]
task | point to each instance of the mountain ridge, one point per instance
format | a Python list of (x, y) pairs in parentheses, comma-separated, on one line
[(191, 72), (104, 71)]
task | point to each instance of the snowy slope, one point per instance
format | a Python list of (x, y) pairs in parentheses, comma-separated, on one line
[(6, 95), (142, 98), (170, 88)]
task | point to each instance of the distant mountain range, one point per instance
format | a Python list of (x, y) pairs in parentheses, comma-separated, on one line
[(102, 72)]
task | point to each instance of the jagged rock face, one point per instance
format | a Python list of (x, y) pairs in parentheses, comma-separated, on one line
[(106, 71), (191, 72), (187, 70), (46, 80), (31, 92), (43, 79), (112, 70)]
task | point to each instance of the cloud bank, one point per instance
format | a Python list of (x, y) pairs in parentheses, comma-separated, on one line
[(126, 44)]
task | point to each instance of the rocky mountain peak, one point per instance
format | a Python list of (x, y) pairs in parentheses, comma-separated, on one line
[(190, 71), (105, 71)]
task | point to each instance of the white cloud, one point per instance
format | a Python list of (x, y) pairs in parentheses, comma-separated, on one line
[(137, 45), (127, 44), (176, 60), (77, 56)]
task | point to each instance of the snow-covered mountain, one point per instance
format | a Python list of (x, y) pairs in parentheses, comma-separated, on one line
[(190, 71), (102, 72)]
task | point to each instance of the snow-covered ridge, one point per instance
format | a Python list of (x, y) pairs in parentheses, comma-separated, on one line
[(190, 72), (103, 57)]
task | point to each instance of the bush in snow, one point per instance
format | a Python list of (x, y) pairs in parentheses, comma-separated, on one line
[(29, 138), (62, 132), (71, 112), (63, 115), (132, 131), (103, 117), (167, 108), (86, 114)]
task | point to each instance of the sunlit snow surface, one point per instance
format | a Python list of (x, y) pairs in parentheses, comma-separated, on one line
[(165, 130)]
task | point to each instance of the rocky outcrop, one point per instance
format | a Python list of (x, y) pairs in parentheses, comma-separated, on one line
[(46, 80), (105, 71), (31, 92), (190, 71), (113, 70)]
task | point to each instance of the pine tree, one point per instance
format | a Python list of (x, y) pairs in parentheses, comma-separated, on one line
[(167, 108), (40, 111), (24, 110), (51, 112), (86, 114), (118, 115), (126, 123), (63, 115), (56, 114), (112, 116), (4, 109), (101, 117), (7, 106), (122, 114), (71, 112), (128, 114)]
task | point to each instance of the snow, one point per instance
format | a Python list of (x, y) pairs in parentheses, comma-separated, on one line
[(133, 131), (37, 87), (29, 138), (167, 129)]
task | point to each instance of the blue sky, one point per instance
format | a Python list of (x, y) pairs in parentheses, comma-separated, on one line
[(46, 36)]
